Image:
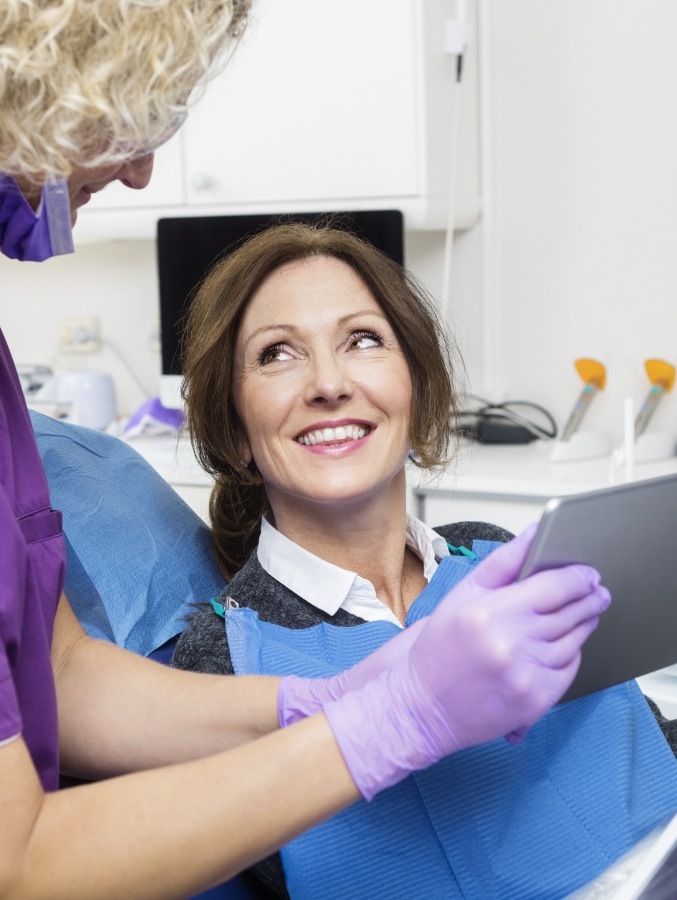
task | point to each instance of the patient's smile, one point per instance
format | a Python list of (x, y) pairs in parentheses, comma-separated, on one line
[(333, 435)]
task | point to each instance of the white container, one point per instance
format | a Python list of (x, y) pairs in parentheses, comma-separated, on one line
[(86, 398)]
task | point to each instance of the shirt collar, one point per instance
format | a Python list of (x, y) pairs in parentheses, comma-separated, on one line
[(329, 587)]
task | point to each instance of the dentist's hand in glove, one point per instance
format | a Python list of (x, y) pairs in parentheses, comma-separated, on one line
[(492, 659)]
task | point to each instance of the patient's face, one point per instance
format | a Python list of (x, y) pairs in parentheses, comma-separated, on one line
[(322, 388)]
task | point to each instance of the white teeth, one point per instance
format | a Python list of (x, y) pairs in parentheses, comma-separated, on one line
[(332, 435)]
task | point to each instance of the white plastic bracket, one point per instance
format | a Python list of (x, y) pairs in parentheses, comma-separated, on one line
[(457, 31)]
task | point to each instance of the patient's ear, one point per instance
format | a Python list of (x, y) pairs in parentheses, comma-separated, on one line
[(244, 449)]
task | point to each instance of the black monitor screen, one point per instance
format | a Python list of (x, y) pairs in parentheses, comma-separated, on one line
[(188, 247)]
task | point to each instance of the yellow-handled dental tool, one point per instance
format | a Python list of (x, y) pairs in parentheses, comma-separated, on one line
[(593, 374), (662, 377)]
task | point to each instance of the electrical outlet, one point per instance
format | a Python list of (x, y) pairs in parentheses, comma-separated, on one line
[(80, 334)]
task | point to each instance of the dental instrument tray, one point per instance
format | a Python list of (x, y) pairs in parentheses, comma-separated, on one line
[(627, 533)]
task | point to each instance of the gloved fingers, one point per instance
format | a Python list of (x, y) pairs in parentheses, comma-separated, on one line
[(517, 736), (558, 654), (557, 684), (536, 692), (503, 566), (555, 625), (550, 590)]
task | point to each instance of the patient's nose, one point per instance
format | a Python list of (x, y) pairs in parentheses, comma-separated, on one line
[(329, 382)]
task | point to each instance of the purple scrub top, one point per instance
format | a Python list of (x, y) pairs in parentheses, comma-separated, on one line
[(32, 566)]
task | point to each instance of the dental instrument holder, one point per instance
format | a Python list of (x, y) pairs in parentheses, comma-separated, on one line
[(654, 445), (576, 445), (582, 445)]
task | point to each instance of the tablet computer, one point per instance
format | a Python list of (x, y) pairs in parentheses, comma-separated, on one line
[(629, 534)]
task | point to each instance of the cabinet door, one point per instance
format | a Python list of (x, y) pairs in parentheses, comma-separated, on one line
[(320, 100)]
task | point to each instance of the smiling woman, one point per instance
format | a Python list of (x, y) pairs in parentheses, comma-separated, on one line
[(303, 331), (323, 392), (314, 365)]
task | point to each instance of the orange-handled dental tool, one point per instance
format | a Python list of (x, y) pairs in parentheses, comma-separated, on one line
[(662, 377), (593, 374)]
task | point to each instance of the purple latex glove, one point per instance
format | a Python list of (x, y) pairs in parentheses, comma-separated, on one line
[(31, 236), (490, 661)]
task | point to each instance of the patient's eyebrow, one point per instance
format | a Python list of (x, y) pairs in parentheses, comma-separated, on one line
[(278, 326)]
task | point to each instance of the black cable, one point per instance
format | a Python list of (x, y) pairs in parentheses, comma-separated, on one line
[(506, 411)]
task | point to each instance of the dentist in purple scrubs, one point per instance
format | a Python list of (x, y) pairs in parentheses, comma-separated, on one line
[(193, 779)]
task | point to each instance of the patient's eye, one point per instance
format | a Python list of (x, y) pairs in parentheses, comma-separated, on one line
[(363, 340), (274, 353)]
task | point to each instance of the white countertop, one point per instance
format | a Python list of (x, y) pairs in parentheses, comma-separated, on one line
[(526, 471)]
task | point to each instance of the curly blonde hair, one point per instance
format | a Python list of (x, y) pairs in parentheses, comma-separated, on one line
[(87, 83)]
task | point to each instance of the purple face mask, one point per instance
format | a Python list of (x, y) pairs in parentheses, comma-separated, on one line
[(27, 235)]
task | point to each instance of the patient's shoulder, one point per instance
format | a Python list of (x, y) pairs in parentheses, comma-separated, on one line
[(203, 646), (462, 534)]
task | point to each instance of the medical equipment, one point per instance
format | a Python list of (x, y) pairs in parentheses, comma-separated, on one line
[(654, 445), (593, 374), (662, 377), (573, 443)]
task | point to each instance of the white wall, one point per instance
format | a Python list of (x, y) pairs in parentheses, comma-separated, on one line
[(585, 189), (115, 282), (582, 130)]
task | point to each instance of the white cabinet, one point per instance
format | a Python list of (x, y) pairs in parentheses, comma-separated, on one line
[(324, 105)]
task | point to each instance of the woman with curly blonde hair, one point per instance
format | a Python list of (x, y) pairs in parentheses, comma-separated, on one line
[(88, 88)]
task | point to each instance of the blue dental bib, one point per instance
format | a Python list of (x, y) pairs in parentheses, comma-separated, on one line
[(496, 822)]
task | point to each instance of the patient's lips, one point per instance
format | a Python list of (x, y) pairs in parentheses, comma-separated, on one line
[(335, 439)]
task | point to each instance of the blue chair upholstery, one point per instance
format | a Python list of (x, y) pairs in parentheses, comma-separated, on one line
[(138, 557)]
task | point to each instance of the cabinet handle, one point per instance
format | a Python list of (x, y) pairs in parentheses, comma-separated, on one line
[(200, 181)]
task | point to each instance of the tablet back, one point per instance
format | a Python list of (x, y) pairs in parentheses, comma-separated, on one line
[(629, 534)]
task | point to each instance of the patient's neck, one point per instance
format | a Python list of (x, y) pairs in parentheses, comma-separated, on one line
[(367, 537)]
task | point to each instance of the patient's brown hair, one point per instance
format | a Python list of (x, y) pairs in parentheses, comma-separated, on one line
[(238, 500)]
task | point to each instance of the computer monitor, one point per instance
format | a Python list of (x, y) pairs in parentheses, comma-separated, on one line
[(187, 247)]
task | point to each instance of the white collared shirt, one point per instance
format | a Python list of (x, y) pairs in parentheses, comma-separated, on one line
[(329, 587)]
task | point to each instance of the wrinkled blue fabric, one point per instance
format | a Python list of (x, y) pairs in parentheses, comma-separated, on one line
[(30, 236), (137, 555), (497, 822)]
